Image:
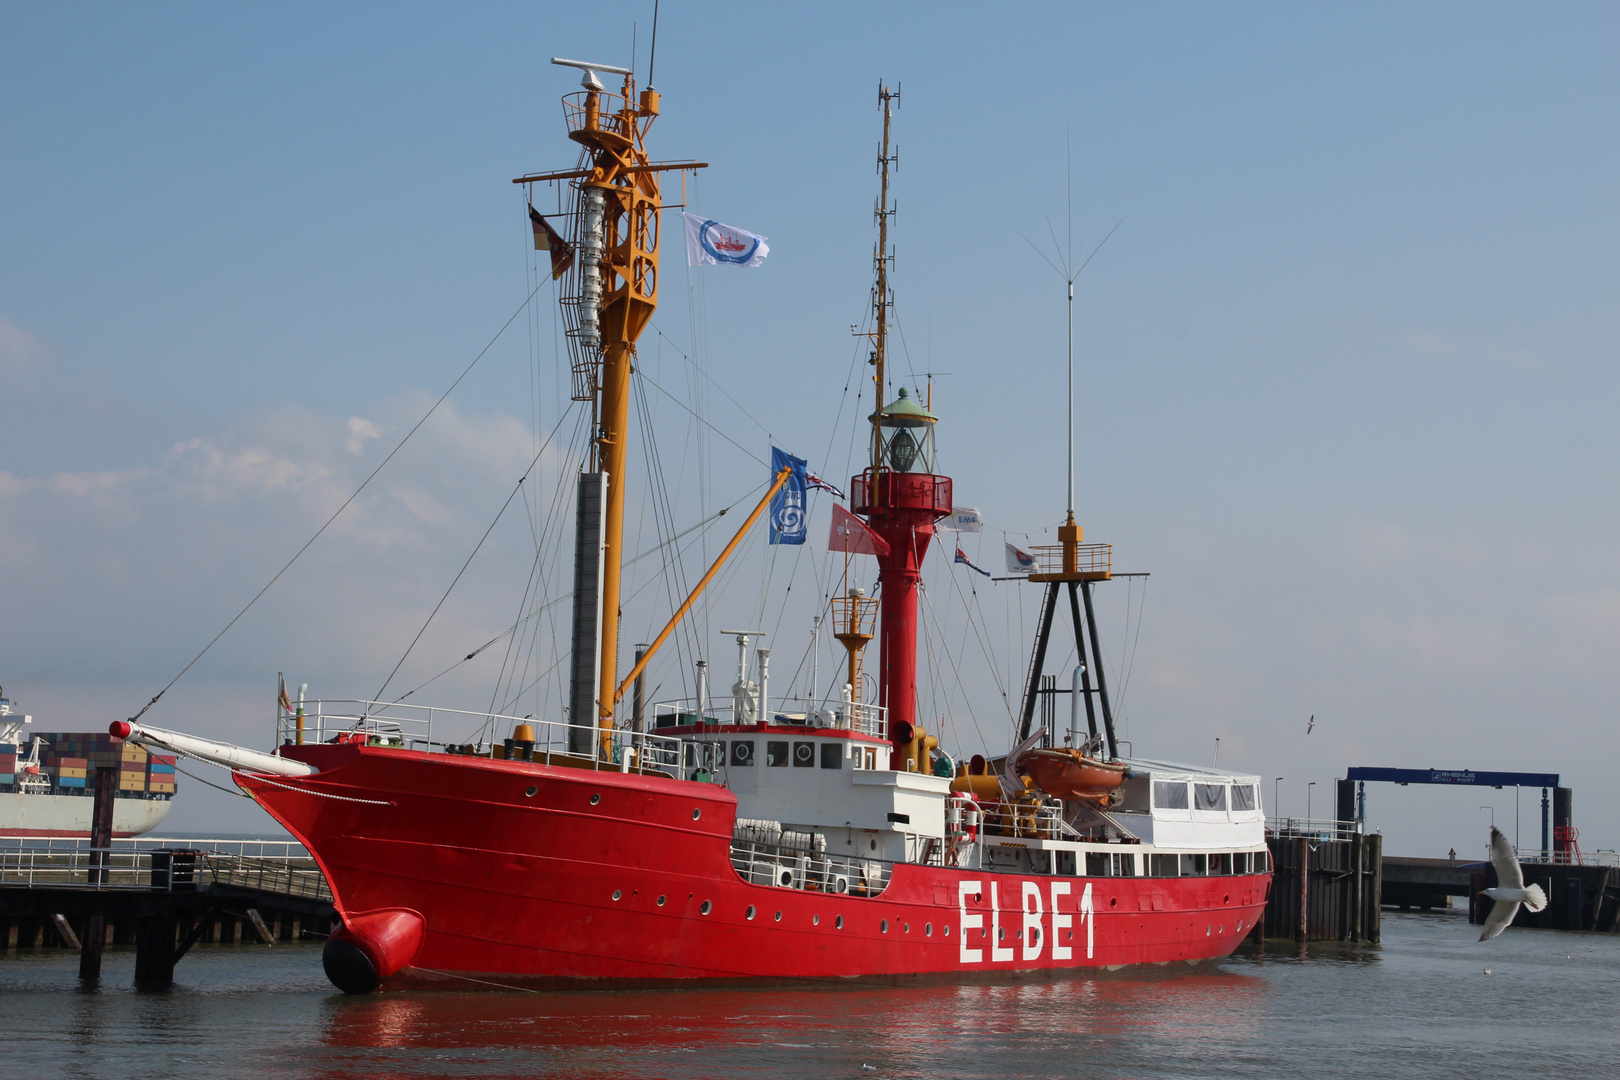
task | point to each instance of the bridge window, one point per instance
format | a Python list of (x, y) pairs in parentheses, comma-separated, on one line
[(1243, 796), (1218, 863), (1169, 795), (1194, 865), (1240, 861), (1209, 796), (776, 754), (1163, 865), (1097, 864), (1065, 862), (1124, 865), (1262, 862)]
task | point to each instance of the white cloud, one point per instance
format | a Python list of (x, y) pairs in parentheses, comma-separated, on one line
[(1456, 644)]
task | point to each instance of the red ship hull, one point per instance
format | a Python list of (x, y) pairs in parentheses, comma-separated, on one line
[(602, 876)]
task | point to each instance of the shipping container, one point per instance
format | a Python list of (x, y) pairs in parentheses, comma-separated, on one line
[(70, 781)]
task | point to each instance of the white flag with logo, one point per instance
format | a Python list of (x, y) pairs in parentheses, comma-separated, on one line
[(710, 243), (963, 519), (1019, 561)]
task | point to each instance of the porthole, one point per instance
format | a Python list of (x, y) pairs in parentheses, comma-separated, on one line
[(596, 798), (978, 898), (705, 908), (696, 813), (529, 794), (883, 927), (838, 923), (1226, 899), (750, 913), (778, 916), (1206, 931), (946, 929), (928, 929), (1113, 901), (815, 920), (1001, 933), (874, 845), (1240, 926), (617, 893), (661, 900), (905, 928)]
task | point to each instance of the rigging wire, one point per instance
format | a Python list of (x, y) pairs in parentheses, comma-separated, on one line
[(363, 484), (476, 549)]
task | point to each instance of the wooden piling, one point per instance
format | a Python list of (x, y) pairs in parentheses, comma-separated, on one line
[(1303, 849), (101, 821)]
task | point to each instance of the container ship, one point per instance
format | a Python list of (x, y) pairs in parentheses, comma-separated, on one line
[(47, 778), (737, 837)]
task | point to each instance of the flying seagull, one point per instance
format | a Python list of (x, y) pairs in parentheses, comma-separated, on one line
[(1312, 725), (1510, 890)]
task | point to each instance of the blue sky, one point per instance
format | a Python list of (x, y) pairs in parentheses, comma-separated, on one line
[(1346, 367)]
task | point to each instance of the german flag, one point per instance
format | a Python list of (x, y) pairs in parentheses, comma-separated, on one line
[(547, 239)]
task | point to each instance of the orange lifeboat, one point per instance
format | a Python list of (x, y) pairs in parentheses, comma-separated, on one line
[(1069, 774)]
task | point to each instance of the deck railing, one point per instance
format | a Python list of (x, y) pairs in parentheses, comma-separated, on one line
[(844, 715)]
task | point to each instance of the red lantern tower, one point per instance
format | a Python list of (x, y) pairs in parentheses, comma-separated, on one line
[(899, 494)]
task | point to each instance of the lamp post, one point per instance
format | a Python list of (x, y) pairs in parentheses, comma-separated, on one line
[(1308, 799), (1276, 798)]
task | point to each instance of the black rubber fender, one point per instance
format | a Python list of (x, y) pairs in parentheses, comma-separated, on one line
[(349, 968)]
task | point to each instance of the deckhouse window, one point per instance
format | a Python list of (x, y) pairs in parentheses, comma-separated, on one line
[(1169, 795), (1243, 796), (1163, 865), (832, 755), (1209, 796), (776, 754), (804, 755), (742, 752)]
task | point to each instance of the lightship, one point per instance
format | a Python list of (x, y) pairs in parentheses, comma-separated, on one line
[(751, 840)]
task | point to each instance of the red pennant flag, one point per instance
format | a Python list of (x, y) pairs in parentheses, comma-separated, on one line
[(548, 239), (851, 534)]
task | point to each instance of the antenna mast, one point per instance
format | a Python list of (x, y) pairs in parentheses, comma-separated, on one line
[(881, 257)]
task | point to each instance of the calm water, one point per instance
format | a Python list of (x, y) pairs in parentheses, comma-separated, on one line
[(1420, 1005)]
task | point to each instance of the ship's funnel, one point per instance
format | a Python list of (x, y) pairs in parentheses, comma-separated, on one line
[(215, 753)]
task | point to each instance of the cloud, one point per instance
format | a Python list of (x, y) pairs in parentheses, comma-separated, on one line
[(1456, 644)]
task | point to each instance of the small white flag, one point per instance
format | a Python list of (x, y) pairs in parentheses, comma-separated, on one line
[(710, 243), (963, 519), (1019, 561)]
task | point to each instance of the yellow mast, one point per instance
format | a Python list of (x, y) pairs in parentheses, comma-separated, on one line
[(616, 290)]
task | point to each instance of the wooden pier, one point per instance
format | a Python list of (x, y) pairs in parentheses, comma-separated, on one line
[(1326, 884), (161, 899)]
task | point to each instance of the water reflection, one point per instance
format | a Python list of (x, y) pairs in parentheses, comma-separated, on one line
[(923, 1031)]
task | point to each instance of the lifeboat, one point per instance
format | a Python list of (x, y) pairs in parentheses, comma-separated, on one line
[(1068, 774)]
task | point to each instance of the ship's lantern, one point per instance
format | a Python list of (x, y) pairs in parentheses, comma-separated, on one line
[(905, 435)]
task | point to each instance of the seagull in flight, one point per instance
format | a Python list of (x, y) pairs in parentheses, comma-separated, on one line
[(1311, 726), (1510, 890)]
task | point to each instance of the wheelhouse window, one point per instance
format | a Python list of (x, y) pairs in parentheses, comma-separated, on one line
[(1209, 796), (1243, 797), (1170, 794)]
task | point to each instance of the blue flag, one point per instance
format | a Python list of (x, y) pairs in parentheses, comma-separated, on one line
[(788, 525)]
